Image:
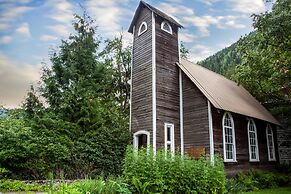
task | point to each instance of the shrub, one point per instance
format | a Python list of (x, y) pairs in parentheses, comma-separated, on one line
[(146, 173), (100, 186), (15, 185), (234, 187), (258, 179)]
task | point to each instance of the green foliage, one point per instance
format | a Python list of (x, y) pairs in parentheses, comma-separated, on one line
[(258, 179), (146, 173), (266, 59), (32, 105), (118, 58), (234, 187), (184, 52), (94, 186), (7, 185), (282, 190), (83, 130)]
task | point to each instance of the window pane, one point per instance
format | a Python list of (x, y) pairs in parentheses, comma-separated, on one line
[(166, 27), (168, 133), (228, 137)]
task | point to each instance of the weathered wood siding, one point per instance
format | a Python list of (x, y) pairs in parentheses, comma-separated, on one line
[(167, 82), (242, 146), (195, 111), (142, 75)]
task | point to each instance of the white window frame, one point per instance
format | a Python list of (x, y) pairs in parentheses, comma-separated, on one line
[(140, 27), (172, 140), (251, 121), (162, 27), (233, 138), (137, 134), (268, 143)]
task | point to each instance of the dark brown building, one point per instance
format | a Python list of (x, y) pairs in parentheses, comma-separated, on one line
[(180, 106)]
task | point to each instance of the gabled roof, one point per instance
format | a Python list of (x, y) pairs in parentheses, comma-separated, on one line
[(224, 93), (153, 9)]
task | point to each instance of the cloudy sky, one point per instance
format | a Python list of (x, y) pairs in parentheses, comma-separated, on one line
[(30, 28)]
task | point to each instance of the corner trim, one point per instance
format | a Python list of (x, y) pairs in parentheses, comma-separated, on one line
[(211, 142), (131, 65), (154, 83), (181, 112)]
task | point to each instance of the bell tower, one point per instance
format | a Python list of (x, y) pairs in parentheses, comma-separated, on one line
[(155, 100)]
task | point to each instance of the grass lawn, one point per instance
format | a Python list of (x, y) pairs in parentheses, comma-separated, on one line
[(281, 190)]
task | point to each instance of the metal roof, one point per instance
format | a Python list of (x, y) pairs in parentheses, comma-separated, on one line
[(224, 93), (153, 9)]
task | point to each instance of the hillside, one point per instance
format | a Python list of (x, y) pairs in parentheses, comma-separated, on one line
[(222, 61)]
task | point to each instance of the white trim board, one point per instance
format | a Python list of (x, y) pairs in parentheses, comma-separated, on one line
[(211, 142), (131, 66), (154, 105), (181, 112)]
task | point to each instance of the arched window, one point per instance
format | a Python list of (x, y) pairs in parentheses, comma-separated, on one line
[(228, 138), (270, 143), (166, 27), (141, 139), (142, 28), (253, 141)]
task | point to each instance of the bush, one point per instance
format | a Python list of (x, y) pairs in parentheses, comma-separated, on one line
[(258, 179), (172, 174), (15, 185), (234, 187), (98, 186)]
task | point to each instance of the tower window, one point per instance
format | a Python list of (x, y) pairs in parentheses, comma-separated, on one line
[(166, 27), (169, 137), (142, 28), (141, 139)]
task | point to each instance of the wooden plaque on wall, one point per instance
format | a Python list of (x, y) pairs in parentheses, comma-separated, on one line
[(196, 152)]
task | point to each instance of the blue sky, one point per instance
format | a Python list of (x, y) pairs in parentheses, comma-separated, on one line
[(30, 28)]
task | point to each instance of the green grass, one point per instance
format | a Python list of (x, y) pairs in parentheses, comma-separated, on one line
[(280, 190)]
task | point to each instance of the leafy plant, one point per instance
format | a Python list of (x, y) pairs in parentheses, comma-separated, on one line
[(234, 187), (167, 173), (8, 185), (258, 179)]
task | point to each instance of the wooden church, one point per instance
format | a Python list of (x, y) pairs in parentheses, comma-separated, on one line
[(179, 106)]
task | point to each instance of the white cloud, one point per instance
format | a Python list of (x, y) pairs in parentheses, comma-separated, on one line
[(10, 13), (5, 39), (241, 6), (248, 6), (200, 52), (62, 11), (47, 37), (108, 15), (187, 37), (208, 2), (23, 30), (15, 78), (175, 9), (60, 29), (204, 22)]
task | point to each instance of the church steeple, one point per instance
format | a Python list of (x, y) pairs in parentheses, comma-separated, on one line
[(155, 78)]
